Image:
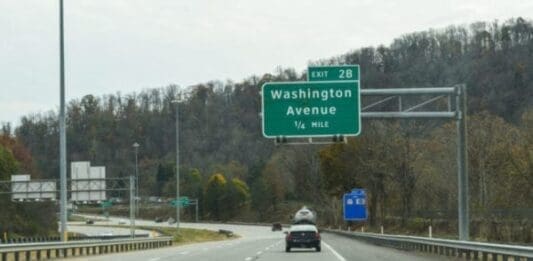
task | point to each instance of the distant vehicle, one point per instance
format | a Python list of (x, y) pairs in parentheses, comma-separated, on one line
[(158, 220), (302, 236), (106, 234), (171, 221), (116, 200), (304, 216), (277, 227), (89, 222)]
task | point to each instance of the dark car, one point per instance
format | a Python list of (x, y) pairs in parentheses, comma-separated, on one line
[(89, 222), (158, 220), (302, 236), (277, 227)]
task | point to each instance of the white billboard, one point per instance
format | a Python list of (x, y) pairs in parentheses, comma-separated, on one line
[(87, 183), (22, 188)]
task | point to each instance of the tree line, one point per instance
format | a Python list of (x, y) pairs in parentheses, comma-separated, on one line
[(407, 166)]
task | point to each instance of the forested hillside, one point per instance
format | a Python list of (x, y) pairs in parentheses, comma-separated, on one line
[(408, 167)]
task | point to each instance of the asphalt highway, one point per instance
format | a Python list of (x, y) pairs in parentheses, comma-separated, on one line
[(260, 243)]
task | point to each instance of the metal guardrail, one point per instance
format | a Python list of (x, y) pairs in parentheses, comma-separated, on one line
[(454, 248), (43, 251), (22, 240)]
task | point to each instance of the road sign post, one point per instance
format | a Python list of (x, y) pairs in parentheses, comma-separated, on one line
[(354, 205), (311, 109)]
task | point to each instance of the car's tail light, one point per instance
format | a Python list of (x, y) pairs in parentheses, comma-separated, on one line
[(317, 235), (289, 236)]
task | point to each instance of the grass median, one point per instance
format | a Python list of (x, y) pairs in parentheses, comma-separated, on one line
[(184, 236)]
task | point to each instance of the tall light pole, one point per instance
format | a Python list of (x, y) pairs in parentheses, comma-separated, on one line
[(136, 146), (178, 203), (62, 133)]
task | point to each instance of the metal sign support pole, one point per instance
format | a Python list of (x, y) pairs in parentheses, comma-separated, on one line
[(177, 170), (132, 206), (195, 202), (462, 163)]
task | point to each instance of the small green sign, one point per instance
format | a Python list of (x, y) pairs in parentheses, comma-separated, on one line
[(183, 202), (311, 109), (333, 73), (106, 204)]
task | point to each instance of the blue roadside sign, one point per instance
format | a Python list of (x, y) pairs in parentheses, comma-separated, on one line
[(354, 205)]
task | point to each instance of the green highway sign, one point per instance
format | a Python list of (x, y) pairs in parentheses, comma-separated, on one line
[(311, 109), (106, 204), (183, 202), (333, 73)]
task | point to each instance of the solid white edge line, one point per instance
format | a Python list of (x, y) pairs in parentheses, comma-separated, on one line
[(337, 255)]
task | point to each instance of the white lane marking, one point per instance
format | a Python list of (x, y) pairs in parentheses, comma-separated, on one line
[(184, 252), (154, 259), (248, 259), (205, 249), (337, 255), (259, 253)]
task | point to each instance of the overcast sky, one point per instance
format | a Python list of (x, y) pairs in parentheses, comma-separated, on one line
[(130, 45)]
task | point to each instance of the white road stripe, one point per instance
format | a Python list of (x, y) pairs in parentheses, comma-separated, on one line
[(248, 259), (337, 255), (185, 252), (154, 259)]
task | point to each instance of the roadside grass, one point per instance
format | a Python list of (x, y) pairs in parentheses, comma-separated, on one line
[(189, 235)]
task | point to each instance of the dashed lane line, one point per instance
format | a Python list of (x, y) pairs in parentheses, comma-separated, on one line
[(335, 253)]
